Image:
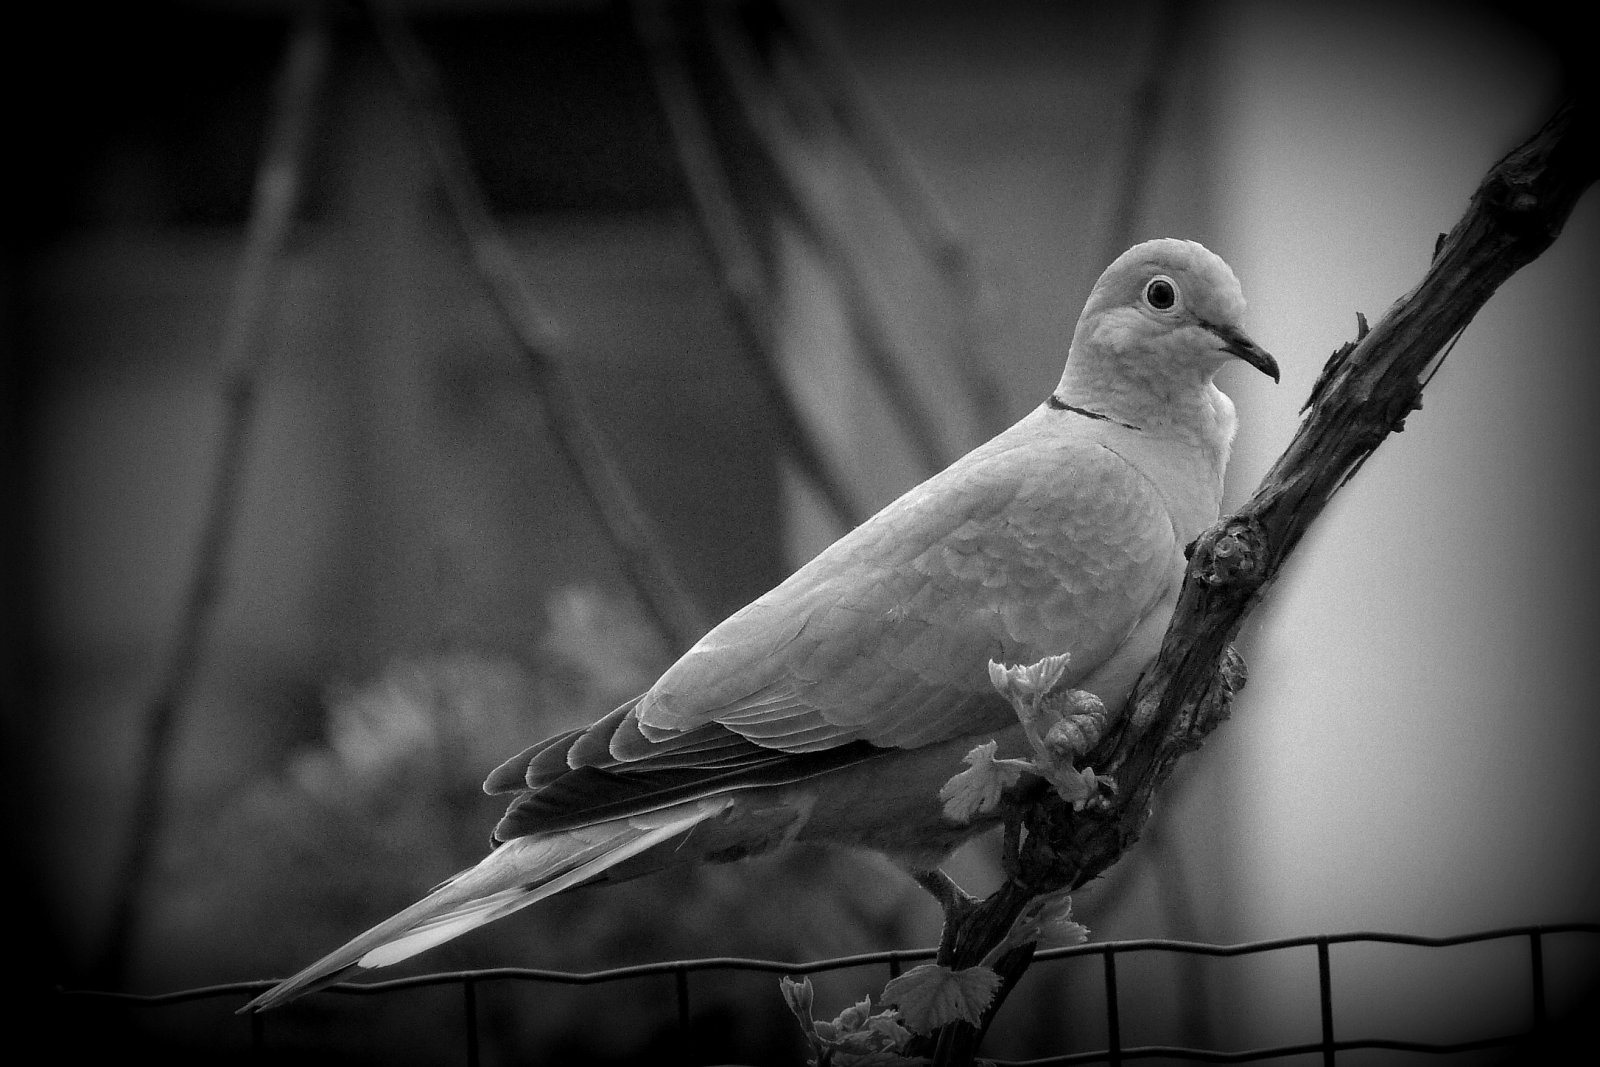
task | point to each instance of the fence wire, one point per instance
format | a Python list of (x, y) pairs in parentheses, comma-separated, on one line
[(234, 994)]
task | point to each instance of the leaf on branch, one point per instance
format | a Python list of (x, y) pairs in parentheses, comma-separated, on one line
[(1071, 722), (976, 790), (1046, 921), (799, 998), (857, 1037), (932, 995), (1026, 684), (1078, 787), (1060, 724)]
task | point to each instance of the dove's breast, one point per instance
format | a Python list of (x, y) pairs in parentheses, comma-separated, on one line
[(1078, 554)]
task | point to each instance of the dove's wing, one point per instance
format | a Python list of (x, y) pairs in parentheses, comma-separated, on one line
[(1031, 545), (1028, 547)]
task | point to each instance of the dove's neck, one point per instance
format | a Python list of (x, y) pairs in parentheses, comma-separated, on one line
[(1185, 407), (1177, 433)]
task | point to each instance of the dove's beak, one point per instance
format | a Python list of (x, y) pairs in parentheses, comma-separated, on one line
[(1236, 343)]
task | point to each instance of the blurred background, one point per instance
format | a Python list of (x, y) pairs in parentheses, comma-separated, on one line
[(789, 259)]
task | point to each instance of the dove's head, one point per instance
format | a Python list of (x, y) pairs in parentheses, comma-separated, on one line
[(1161, 321)]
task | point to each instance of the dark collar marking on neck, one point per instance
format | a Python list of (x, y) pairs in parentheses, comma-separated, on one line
[(1061, 405)]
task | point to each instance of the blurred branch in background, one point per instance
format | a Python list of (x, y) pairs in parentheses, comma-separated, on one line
[(276, 195), (832, 75), (731, 250), (1145, 128), (769, 121), (632, 534)]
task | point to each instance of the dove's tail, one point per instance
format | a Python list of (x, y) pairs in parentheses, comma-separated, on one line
[(518, 873)]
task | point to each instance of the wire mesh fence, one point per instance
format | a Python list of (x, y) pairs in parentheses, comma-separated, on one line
[(1528, 992)]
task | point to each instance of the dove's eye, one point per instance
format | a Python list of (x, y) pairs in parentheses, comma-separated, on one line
[(1161, 293)]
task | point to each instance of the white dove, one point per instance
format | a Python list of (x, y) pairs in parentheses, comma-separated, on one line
[(835, 707)]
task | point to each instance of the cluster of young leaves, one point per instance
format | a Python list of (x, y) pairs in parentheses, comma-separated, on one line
[(856, 1037), (918, 1002), (925, 998), (1060, 725)]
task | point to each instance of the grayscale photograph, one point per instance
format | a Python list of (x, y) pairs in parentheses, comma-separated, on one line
[(803, 533)]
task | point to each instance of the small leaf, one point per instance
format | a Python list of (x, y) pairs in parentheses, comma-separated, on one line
[(1046, 921), (1071, 722), (799, 998), (1078, 787), (932, 995), (889, 1030), (1050, 918), (976, 791), (854, 1017), (863, 1042), (855, 1038), (1026, 683)]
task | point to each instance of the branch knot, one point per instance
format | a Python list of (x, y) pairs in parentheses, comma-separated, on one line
[(1230, 554)]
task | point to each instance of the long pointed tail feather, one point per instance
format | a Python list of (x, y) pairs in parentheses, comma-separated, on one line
[(518, 873)]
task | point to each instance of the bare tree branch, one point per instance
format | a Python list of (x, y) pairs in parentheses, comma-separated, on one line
[(761, 109), (1365, 393), (243, 351), (671, 607), (890, 164), (1145, 125), (737, 265)]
